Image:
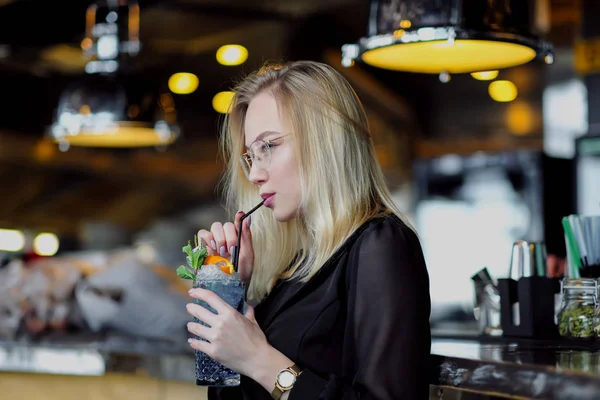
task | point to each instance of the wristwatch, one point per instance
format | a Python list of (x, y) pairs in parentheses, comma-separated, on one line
[(286, 378)]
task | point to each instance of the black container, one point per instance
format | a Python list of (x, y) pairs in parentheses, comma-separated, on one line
[(535, 295)]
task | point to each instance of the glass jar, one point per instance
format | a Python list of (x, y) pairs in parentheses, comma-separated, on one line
[(578, 314)]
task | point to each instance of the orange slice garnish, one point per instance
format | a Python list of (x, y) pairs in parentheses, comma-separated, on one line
[(223, 263)]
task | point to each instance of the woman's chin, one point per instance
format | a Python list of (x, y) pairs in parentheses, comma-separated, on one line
[(281, 215)]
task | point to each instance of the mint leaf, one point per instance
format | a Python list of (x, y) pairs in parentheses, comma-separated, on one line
[(187, 249), (195, 257), (184, 273), (201, 256), (198, 256)]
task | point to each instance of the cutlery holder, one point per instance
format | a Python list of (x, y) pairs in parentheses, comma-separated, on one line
[(535, 295)]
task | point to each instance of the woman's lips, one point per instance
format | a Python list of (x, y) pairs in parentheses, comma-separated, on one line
[(268, 199)]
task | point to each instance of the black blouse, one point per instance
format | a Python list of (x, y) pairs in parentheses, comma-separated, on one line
[(360, 328)]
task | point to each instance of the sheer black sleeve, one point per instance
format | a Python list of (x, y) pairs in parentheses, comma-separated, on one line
[(388, 308), (225, 393)]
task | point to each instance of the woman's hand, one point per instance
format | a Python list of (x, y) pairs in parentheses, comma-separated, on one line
[(234, 340), (221, 239)]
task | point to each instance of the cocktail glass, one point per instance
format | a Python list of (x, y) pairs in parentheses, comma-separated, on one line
[(231, 289)]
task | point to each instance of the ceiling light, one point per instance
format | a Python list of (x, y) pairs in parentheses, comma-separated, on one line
[(100, 111), (103, 110), (450, 37), (485, 75), (521, 118), (46, 244), (183, 83), (232, 54), (503, 91), (11, 240), (222, 101)]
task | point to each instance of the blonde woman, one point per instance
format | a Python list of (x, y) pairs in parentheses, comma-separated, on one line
[(339, 279)]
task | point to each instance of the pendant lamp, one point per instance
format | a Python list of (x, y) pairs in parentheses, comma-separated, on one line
[(108, 108), (102, 111), (449, 36)]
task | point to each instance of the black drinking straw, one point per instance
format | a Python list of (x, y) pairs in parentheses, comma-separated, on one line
[(236, 252)]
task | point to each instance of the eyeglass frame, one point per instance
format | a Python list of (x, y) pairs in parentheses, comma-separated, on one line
[(248, 156)]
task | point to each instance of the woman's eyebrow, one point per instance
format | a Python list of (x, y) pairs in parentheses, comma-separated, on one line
[(263, 134)]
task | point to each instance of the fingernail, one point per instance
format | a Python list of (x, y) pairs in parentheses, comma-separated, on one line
[(231, 249), (190, 341), (190, 291), (222, 251), (249, 220), (213, 245)]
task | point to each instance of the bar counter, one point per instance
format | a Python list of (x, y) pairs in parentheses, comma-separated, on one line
[(517, 368), (118, 365), (97, 367)]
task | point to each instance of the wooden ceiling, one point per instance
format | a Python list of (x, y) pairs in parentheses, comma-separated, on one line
[(43, 188)]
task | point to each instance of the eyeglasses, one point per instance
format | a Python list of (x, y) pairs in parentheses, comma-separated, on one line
[(259, 154)]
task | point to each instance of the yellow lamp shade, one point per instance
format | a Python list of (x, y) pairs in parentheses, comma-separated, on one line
[(222, 102), (450, 36), (123, 134), (503, 91), (95, 112), (232, 54), (183, 83), (521, 118), (485, 75), (438, 56)]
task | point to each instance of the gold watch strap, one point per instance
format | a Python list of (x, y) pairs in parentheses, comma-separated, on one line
[(296, 369), (278, 390)]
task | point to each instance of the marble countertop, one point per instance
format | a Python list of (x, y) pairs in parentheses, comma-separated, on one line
[(524, 368), (505, 367), (95, 355)]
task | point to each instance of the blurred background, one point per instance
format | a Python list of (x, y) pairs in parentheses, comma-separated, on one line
[(476, 161)]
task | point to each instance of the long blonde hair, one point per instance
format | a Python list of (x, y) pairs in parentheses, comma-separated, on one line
[(342, 183)]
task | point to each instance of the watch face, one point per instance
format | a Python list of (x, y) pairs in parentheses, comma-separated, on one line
[(286, 379)]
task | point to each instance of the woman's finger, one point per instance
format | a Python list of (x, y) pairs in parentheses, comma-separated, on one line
[(200, 331), (236, 219), (212, 299), (250, 314), (245, 225), (202, 346), (246, 260), (230, 237), (208, 238), (219, 236), (202, 313)]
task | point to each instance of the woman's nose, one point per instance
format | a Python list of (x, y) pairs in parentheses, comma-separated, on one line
[(258, 175)]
